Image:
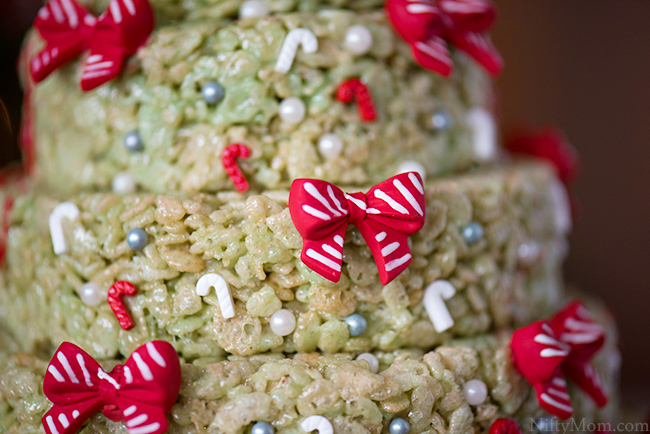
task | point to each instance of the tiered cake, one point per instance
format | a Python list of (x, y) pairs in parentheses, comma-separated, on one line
[(190, 193)]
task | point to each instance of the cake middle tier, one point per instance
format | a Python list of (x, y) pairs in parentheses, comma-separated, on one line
[(494, 235), (156, 125)]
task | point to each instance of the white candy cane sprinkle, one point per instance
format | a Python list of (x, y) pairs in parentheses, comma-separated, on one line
[(65, 210), (293, 40), (318, 423), (434, 303), (213, 280)]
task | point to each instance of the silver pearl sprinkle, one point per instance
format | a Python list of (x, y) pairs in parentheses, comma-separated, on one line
[(356, 324), (472, 233), (137, 239), (262, 428), (442, 121), (399, 426), (212, 92), (133, 142)]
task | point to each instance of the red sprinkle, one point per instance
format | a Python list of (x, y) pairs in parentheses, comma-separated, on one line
[(115, 292), (504, 426), (4, 230), (354, 88), (228, 156)]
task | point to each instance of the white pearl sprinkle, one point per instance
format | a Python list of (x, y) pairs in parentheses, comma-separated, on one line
[(561, 249), (91, 294), (372, 361), (123, 183), (292, 110), (412, 166), (562, 207), (484, 133), (528, 253), (253, 9), (283, 322), (475, 392), (358, 39), (330, 146)]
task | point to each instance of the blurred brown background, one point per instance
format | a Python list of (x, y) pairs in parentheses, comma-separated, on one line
[(583, 65)]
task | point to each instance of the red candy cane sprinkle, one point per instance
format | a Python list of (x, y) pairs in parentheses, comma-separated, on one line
[(115, 293), (355, 89), (228, 157)]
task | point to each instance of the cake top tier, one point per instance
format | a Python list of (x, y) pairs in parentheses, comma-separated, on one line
[(332, 93), (197, 9)]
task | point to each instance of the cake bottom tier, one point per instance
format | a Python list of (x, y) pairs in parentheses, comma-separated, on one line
[(425, 388)]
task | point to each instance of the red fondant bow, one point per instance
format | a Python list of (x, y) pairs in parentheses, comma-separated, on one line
[(545, 351), (142, 391), (386, 216), (429, 25), (69, 30), (548, 144)]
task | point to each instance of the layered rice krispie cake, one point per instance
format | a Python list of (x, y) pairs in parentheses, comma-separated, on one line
[(278, 216)]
